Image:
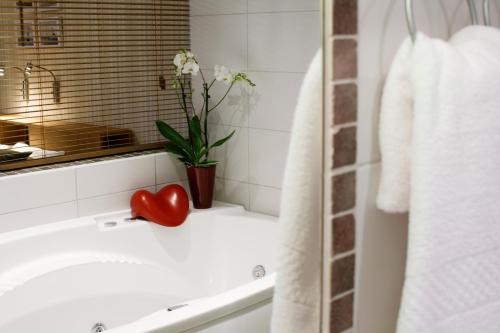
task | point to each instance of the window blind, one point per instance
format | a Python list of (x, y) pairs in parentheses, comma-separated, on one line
[(81, 79)]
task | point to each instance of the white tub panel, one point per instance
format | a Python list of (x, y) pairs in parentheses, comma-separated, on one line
[(67, 276)]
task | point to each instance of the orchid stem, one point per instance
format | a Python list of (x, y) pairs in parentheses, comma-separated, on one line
[(222, 99)]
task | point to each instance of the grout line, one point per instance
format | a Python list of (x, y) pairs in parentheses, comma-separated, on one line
[(345, 81), (344, 213), (297, 11), (344, 169), (249, 183), (155, 171), (341, 295), (343, 255), (220, 14), (76, 193), (270, 130), (352, 167), (276, 72), (37, 207), (247, 56), (259, 70), (258, 12), (119, 192), (369, 163), (337, 128), (345, 37), (249, 192), (250, 127)]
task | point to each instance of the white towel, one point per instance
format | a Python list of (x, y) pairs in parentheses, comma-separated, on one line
[(396, 132), (452, 282), (296, 302), (36, 153)]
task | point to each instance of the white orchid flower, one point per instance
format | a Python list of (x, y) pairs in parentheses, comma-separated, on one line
[(191, 67), (219, 72), (223, 73), (185, 63), (180, 59)]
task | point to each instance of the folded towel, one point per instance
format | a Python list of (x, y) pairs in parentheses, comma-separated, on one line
[(36, 153), (452, 279), (296, 302)]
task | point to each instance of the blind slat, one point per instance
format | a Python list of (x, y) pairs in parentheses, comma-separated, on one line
[(95, 83)]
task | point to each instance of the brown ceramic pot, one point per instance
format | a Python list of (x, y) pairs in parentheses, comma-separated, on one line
[(201, 185)]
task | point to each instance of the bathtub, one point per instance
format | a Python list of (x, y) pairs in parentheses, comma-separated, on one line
[(108, 273)]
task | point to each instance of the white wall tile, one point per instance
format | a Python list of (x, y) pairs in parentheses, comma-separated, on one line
[(31, 190), (281, 5), (107, 203), (233, 192), (37, 216), (233, 156), (369, 99), (265, 200), (168, 169), (283, 36), (215, 7), (283, 42), (234, 109), (381, 248), (273, 101), (268, 151), (115, 176), (220, 39)]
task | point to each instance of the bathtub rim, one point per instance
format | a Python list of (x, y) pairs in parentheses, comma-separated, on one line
[(203, 311), (219, 208)]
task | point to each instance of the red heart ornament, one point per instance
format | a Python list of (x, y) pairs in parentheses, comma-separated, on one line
[(169, 207)]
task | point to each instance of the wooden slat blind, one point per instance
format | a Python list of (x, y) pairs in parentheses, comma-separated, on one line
[(86, 78)]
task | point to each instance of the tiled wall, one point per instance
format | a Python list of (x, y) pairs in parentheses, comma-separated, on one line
[(274, 41), (381, 238), (36, 198), (341, 138)]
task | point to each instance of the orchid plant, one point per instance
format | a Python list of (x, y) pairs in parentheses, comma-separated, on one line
[(194, 150)]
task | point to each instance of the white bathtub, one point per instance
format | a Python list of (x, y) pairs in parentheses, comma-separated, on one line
[(70, 276)]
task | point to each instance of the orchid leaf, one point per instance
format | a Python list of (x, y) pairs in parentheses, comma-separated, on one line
[(207, 163), (176, 150), (174, 137), (222, 141), (195, 130)]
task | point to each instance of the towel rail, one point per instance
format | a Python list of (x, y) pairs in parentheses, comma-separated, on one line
[(486, 12), (473, 12), (410, 15), (410, 19)]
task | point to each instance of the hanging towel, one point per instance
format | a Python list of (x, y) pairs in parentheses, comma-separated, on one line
[(296, 301), (452, 161), (396, 132)]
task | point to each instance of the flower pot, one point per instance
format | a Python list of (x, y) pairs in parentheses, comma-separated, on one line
[(201, 185)]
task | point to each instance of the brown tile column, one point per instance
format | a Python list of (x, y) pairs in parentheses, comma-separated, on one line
[(344, 145)]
